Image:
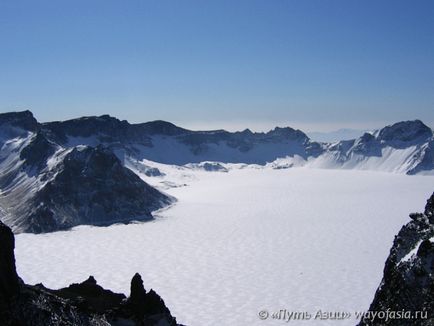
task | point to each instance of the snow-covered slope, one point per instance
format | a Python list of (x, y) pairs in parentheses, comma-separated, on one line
[(45, 186), (405, 147)]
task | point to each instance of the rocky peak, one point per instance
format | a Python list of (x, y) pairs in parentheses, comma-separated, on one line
[(88, 126), (160, 127), (405, 131), (138, 292), (22, 119), (144, 303)]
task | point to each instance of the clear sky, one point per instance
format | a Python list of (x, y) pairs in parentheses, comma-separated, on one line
[(311, 64)]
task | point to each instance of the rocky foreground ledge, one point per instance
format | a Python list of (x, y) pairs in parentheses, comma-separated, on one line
[(406, 293), (86, 303)]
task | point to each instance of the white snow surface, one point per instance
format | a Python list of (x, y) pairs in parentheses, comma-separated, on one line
[(235, 243), (410, 254)]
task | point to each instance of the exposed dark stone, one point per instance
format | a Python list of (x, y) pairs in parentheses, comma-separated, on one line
[(160, 127), (8, 274), (429, 209), (367, 145), (153, 172), (405, 131), (94, 297), (425, 249), (138, 292), (37, 152), (141, 303), (408, 284), (86, 303), (23, 119)]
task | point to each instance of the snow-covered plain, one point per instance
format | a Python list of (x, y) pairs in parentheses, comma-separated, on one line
[(239, 242)]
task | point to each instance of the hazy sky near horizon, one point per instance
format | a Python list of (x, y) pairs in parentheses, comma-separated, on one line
[(311, 64)]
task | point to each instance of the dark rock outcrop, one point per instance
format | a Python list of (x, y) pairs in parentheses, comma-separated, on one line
[(36, 153), (408, 282), (406, 131), (24, 120), (8, 274), (86, 303)]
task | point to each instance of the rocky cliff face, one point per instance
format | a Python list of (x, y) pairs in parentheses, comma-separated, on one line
[(86, 303), (408, 282)]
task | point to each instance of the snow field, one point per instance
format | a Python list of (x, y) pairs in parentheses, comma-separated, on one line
[(236, 243)]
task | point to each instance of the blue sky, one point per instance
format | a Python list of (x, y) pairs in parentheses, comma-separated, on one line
[(311, 64)]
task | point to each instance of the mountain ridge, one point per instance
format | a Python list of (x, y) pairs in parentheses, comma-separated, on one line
[(149, 140), (90, 170)]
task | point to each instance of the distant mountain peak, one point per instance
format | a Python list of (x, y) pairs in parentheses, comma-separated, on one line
[(405, 131), (21, 119), (161, 127)]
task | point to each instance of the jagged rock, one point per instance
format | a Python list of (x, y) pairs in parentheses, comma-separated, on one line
[(138, 292), (408, 281), (8, 274), (143, 303), (93, 297), (86, 303), (429, 209)]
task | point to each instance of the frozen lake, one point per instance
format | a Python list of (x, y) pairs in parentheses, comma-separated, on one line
[(240, 242)]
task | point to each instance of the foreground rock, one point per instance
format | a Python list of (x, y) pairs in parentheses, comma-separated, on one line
[(86, 303), (406, 293)]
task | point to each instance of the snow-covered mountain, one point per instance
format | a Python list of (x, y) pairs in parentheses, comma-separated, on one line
[(164, 142), (91, 170), (45, 186), (404, 147)]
